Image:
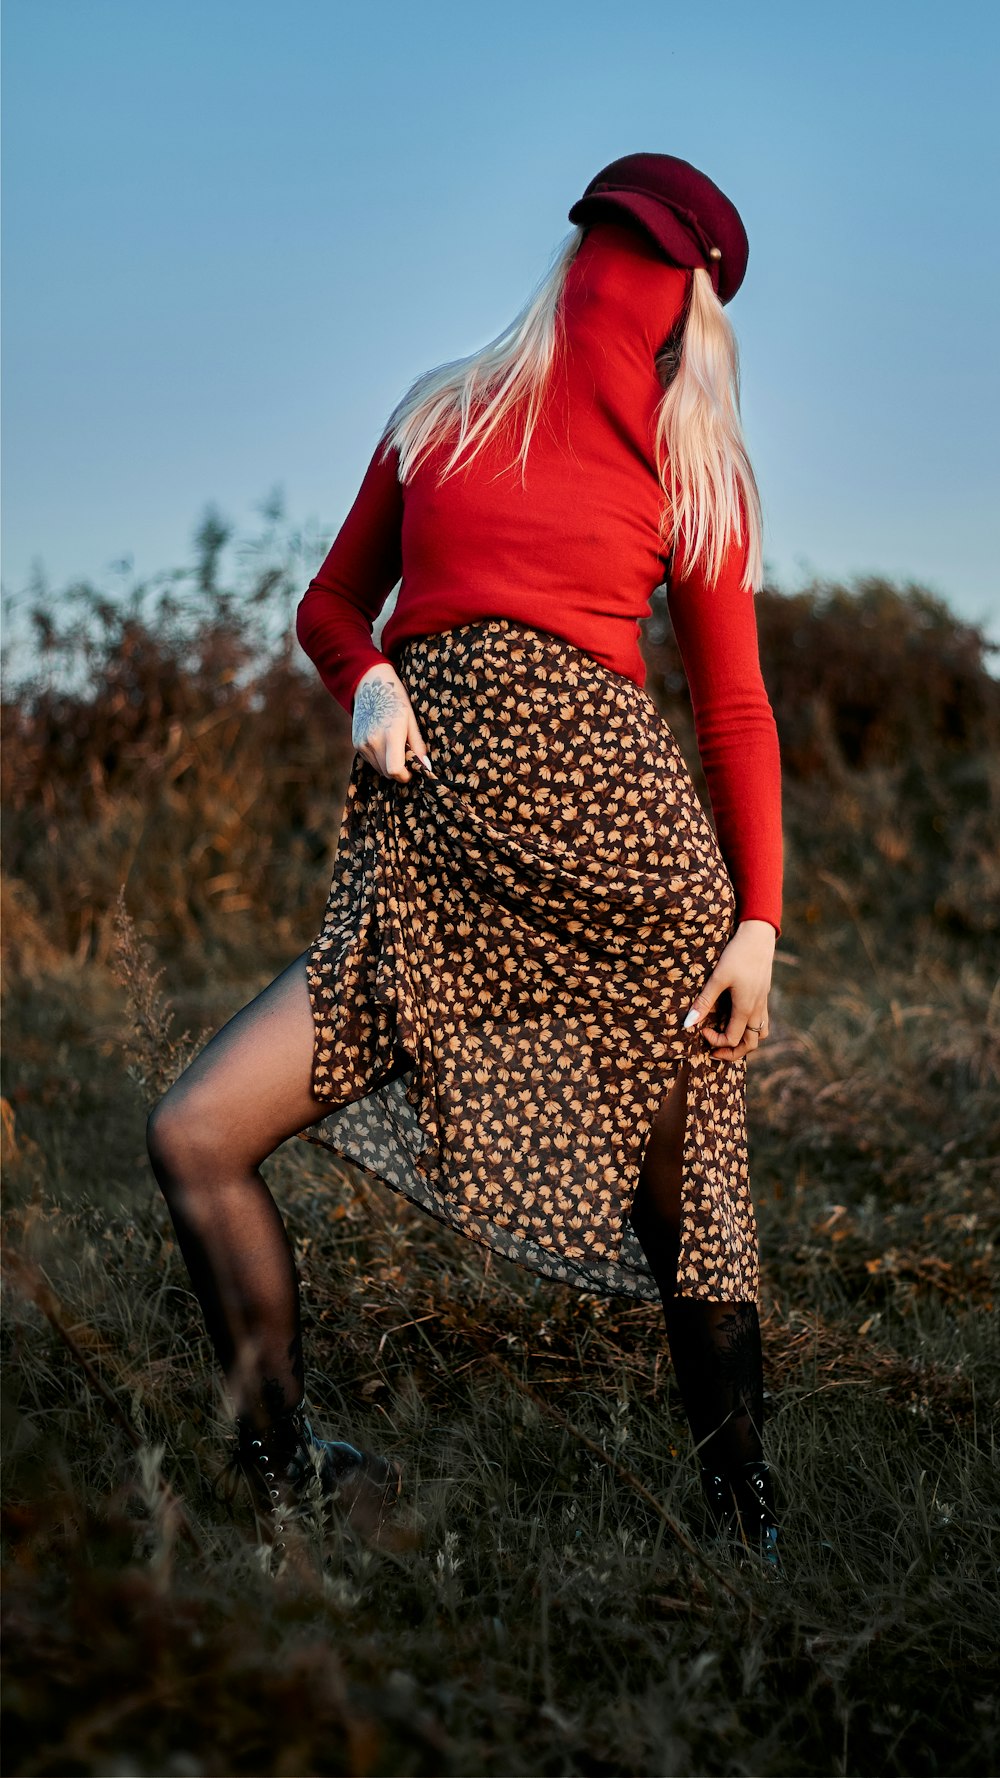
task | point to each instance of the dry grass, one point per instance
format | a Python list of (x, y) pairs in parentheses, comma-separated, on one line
[(555, 1609)]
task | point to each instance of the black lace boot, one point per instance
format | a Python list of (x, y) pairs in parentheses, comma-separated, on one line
[(292, 1472), (741, 1507)]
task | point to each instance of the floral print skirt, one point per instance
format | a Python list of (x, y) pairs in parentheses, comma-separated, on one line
[(506, 957)]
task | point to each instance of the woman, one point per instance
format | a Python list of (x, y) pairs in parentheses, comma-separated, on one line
[(539, 971)]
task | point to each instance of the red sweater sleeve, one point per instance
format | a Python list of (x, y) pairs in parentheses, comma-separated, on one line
[(334, 618), (716, 630)]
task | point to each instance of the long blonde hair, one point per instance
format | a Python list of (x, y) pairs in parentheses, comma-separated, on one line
[(705, 473)]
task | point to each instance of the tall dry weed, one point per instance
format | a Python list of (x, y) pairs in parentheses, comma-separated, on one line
[(171, 795)]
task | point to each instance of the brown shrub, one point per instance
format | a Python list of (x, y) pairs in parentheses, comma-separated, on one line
[(182, 746)]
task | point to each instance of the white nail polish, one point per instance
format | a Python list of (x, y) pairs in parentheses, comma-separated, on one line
[(692, 1019)]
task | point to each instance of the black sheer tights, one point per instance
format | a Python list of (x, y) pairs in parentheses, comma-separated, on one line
[(715, 1347), (243, 1095), (247, 1091)]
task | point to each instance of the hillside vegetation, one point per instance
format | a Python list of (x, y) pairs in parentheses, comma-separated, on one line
[(172, 778)]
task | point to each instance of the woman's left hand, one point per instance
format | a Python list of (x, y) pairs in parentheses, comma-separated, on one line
[(744, 968)]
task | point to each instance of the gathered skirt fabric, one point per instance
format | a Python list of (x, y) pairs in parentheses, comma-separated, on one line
[(506, 957)]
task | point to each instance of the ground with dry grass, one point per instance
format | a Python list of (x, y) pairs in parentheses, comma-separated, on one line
[(554, 1608)]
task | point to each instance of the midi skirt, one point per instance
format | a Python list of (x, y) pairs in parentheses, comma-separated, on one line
[(506, 957)]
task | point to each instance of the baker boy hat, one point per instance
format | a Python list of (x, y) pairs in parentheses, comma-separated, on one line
[(688, 217)]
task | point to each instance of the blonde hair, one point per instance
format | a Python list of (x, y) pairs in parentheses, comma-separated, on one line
[(705, 473)]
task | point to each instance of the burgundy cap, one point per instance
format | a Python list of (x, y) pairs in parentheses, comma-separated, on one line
[(689, 218)]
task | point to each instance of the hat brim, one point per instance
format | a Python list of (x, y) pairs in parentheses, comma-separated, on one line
[(656, 220)]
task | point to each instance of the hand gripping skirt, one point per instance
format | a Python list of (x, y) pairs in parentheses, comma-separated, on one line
[(507, 954)]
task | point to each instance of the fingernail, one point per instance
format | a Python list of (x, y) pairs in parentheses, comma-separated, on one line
[(692, 1018), (425, 761)]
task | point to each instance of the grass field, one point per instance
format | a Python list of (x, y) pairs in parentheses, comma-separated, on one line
[(554, 1606)]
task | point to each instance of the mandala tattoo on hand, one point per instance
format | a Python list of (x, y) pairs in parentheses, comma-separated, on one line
[(375, 705)]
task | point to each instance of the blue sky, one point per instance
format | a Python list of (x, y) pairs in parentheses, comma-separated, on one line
[(234, 231)]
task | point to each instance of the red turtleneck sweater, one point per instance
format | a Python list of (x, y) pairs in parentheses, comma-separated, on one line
[(574, 550)]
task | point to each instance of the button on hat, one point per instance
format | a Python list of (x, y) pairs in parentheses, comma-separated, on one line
[(681, 209)]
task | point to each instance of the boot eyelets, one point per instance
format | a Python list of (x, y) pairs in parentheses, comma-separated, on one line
[(310, 1469), (742, 1508)]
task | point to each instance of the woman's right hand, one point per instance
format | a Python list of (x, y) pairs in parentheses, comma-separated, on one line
[(384, 725)]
